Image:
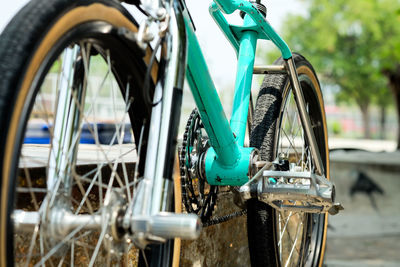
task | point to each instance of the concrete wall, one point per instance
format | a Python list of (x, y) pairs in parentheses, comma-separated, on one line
[(367, 232)]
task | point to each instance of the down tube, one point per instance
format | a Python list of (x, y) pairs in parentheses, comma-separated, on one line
[(208, 103)]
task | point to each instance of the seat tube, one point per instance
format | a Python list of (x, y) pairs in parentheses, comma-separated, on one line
[(244, 77)]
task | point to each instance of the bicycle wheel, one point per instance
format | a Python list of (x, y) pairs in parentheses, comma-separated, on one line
[(75, 121), (287, 238)]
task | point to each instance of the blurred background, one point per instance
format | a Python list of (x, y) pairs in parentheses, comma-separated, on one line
[(354, 47)]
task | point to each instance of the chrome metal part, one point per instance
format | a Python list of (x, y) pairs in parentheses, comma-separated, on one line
[(166, 225), (245, 189), (65, 137), (156, 24), (175, 75), (273, 69), (155, 8), (164, 25), (116, 238), (144, 36), (305, 119), (141, 203), (149, 193), (146, 219), (294, 191), (254, 156), (302, 184), (61, 222), (260, 7), (259, 164), (25, 221)]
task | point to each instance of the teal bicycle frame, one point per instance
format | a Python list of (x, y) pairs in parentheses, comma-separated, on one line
[(227, 161)]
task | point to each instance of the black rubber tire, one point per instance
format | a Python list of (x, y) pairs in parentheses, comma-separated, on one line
[(268, 115), (25, 60)]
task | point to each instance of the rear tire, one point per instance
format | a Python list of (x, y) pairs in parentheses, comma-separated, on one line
[(32, 48), (270, 129)]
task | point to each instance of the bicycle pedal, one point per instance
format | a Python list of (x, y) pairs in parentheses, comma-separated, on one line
[(294, 191)]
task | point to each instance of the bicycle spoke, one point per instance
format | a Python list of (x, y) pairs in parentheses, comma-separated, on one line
[(32, 244), (120, 143), (294, 244), (144, 257), (290, 142), (72, 254), (59, 245), (62, 261), (100, 148), (85, 196), (284, 228), (30, 190), (41, 243), (303, 150), (290, 235), (99, 242), (139, 151)]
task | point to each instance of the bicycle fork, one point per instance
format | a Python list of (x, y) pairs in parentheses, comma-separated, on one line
[(147, 217)]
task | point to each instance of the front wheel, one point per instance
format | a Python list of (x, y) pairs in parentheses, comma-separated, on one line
[(74, 121), (287, 238)]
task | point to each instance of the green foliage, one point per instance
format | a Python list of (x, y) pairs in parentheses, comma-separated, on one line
[(336, 128), (55, 68), (350, 43)]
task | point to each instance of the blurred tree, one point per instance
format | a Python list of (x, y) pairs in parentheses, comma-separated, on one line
[(354, 44), (383, 100)]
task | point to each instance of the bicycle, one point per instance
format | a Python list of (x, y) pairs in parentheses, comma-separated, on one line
[(113, 202)]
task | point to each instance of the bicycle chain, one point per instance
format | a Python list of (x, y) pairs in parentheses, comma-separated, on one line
[(204, 206)]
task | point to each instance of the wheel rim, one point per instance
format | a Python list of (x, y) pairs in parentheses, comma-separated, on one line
[(296, 233), (107, 178)]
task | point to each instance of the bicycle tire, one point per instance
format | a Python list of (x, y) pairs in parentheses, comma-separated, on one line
[(268, 131), (30, 48)]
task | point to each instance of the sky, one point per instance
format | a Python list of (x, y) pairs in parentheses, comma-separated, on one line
[(219, 54)]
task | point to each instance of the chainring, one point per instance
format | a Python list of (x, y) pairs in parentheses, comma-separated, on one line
[(198, 196)]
